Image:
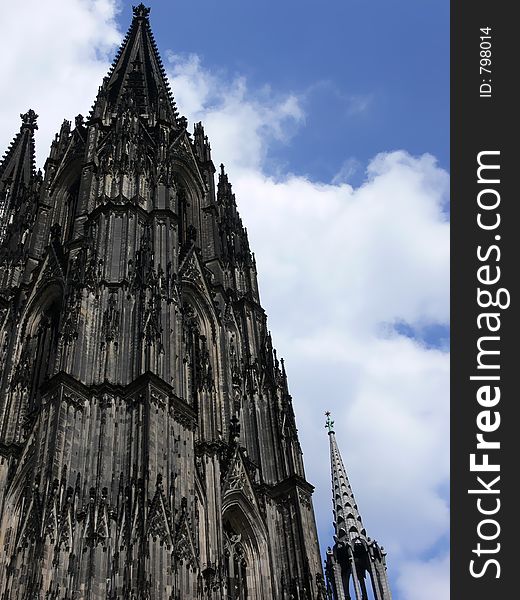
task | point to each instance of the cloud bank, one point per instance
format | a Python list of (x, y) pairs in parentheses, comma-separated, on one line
[(54, 56)]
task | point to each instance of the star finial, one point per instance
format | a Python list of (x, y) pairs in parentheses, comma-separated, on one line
[(329, 424), (141, 10)]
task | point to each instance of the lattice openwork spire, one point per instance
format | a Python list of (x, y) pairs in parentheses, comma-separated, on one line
[(347, 520), (355, 561)]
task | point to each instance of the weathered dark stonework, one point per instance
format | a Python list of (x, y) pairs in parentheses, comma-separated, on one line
[(148, 447)]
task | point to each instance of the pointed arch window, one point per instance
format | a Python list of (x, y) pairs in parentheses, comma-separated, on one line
[(39, 350), (182, 210), (197, 360), (34, 364), (191, 334), (71, 200), (44, 345), (235, 565)]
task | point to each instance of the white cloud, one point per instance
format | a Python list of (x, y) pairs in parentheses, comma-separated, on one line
[(241, 124), (54, 56), (426, 580), (348, 169)]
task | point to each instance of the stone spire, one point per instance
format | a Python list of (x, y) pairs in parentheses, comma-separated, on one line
[(234, 250), (17, 176), (348, 524), (17, 164), (137, 75), (235, 242), (354, 555)]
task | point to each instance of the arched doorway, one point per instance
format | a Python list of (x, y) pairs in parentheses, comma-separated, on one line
[(247, 571)]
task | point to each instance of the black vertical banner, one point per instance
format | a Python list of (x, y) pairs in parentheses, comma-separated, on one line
[(485, 202)]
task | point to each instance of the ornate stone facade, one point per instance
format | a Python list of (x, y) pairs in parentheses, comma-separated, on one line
[(148, 446)]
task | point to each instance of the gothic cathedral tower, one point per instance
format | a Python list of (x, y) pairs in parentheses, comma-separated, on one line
[(148, 446)]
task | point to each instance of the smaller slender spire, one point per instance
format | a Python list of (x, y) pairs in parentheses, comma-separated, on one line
[(20, 154), (201, 144), (235, 242), (347, 520), (224, 193), (355, 561), (284, 374), (17, 171)]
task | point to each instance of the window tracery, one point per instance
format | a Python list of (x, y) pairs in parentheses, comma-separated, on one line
[(235, 565)]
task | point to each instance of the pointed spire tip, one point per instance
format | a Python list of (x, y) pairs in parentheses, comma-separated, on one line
[(137, 70), (29, 119), (141, 11)]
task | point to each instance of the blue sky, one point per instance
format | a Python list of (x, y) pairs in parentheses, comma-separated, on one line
[(332, 120), (374, 74)]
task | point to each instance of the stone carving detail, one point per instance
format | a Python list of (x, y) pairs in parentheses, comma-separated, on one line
[(159, 516), (212, 579), (305, 499), (22, 373), (29, 119), (141, 10), (233, 544), (170, 285), (147, 284), (52, 514), (205, 378), (93, 273), (151, 327), (227, 315), (141, 269), (237, 480), (30, 532), (183, 547), (253, 377), (95, 519), (192, 274), (110, 326), (196, 354), (322, 593), (69, 331), (235, 563), (236, 377), (68, 516), (4, 311)]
